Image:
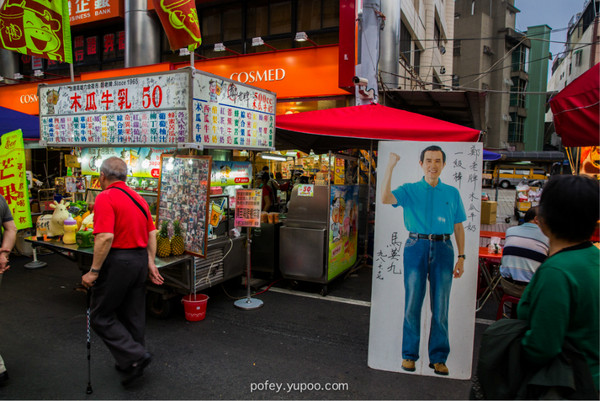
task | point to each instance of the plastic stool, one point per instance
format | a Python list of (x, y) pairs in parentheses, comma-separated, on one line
[(505, 298)]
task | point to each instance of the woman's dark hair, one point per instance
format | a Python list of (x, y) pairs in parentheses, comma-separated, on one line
[(570, 207)]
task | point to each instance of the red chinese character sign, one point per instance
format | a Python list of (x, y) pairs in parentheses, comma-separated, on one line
[(144, 109), (37, 27), (228, 114), (13, 182), (247, 207), (180, 21)]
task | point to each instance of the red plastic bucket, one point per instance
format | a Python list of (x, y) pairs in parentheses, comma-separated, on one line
[(195, 306)]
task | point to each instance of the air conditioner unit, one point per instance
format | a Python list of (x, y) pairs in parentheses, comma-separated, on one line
[(488, 50), (506, 117)]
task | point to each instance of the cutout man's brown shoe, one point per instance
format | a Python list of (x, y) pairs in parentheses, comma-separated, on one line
[(439, 368), (408, 365)]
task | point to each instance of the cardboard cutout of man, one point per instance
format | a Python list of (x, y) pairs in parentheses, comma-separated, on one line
[(432, 212)]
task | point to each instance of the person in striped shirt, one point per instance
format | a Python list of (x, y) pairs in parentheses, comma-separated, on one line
[(525, 248)]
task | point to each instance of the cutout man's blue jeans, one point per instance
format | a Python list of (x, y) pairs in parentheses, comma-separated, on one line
[(432, 261)]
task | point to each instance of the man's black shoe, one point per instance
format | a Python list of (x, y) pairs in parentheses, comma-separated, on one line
[(123, 370), (137, 369), (3, 378)]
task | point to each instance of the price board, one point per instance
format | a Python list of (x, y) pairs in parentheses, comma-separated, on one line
[(229, 114), (247, 207), (148, 109)]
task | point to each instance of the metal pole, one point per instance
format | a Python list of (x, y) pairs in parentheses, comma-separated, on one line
[(497, 182), (72, 72), (249, 303), (35, 264), (366, 253)]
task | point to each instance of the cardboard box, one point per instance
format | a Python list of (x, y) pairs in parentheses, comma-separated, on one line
[(488, 212)]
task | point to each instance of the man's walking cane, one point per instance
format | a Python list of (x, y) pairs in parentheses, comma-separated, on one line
[(89, 385)]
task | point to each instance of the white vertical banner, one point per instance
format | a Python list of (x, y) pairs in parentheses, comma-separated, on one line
[(434, 210)]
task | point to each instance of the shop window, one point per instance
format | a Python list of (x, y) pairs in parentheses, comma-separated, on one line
[(417, 62), (211, 26), (578, 57), (232, 21), (457, 45), (309, 15), (437, 35), (405, 42), (280, 13), (515, 128), (331, 13), (257, 20), (313, 15)]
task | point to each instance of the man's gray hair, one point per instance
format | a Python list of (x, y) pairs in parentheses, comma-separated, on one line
[(114, 169)]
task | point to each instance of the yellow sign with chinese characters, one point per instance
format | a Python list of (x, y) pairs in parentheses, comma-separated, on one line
[(13, 183)]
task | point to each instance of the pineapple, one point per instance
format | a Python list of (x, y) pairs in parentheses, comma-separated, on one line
[(163, 245), (177, 246)]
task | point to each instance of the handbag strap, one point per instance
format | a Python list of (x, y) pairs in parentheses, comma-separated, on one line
[(134, 201)]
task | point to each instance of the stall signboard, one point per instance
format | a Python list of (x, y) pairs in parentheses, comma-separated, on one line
[(74, 184), (286, 169), (150, 109), (13, 179), (590, 161), (229, 114), (343, 229), (247, 207), (183, 194), (339, 176), (306, 190), (399, 259), (230, 173), (141, 162)]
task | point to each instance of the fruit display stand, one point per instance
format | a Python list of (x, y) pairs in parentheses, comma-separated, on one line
[(84, 256), (174, 112)]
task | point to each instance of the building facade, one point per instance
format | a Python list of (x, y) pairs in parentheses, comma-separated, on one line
[(581, 52), (535, 101), (491, 57), (255, 38)]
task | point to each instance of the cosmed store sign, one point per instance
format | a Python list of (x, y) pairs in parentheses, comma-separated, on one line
[(144, 109)]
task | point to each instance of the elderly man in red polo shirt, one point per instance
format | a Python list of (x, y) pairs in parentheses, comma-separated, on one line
[(124, 252)]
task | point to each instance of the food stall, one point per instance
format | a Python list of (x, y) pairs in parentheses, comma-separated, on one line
[(314, 217), (144, 118)]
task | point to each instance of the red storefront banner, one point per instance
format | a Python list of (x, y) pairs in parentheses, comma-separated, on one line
[(37, 28), (180, 21)]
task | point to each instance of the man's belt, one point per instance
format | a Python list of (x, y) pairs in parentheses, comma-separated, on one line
[(431, 237)]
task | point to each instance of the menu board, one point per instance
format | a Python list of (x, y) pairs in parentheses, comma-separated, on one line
[(247, 207), (229, 114), (183, 195), (230, 173), (144, 109)]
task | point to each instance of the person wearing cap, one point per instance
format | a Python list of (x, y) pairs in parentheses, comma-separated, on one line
[(433, 211)]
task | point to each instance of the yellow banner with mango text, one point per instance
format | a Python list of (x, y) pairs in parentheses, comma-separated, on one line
[(13, 182)]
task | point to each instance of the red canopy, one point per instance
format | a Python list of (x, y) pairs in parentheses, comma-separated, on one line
[(356, 125), (576, 111)]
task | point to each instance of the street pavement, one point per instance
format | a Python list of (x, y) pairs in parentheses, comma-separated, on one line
[(297, 339)]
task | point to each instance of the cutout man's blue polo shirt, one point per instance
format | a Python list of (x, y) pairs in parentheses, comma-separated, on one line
[(430, 210)]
